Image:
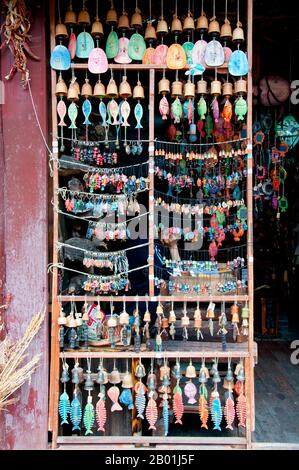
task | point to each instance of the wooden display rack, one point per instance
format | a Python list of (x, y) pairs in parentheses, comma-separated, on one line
[(206, 349)]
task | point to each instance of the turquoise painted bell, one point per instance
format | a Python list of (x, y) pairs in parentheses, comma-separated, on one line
[(238, 64), (112, 45), (84, 45)]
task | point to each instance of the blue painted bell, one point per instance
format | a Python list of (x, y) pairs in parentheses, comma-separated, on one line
[(238, 64)]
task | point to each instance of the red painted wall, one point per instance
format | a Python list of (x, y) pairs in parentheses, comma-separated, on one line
[(24, 234)]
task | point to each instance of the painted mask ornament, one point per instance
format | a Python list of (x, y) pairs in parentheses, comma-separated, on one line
[(176, 57), (97, 61), (198, 52), (84, 45), (238, 64), (137, 47), (60, 58), (122, 56), (214, 54), (112, 45), (159, 57)]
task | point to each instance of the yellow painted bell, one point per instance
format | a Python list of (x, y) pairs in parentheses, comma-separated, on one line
[(111, 91), (123, 21), (111, 17), (188, 23), (150, 32), (70, 16), (202, 23), (136, 20), (162, 27), (238, 33), (61, 31), (97, 28), (99, 90), (226, 30), (86, 89), (176, 25), (138, 94), (214, 27), (124, 88), (61, 88), (164, 86)]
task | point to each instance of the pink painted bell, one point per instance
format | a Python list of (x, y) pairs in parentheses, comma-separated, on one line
[(159, 57), (123, 56)]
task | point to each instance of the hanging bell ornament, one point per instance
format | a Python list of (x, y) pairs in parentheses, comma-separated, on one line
[(235, 313), (124, 318), (241, 375), (176, 25), (229, 375), (147, 316), (172, 317), (165, 323), (202, 87), (202, 377), (123, 21), (226, 30), (240, 87), (189, 89), (151, 381), (190, 371), (140, 370), (216, 376), (138, 91), (188, 25), (114, 377), (127, 380), (88, 385), (86, 89), (99, 90), (176, 88), (111, 17), (165, 381), (102, 375), (238, 33), (216, 88), (136, 20), (159, 310), (112, 322), (164, 86), (162, 27), (214, 28), (176, 370), (227, 89), (125, 89), (70, 18), (202, 23), (164, 370), (65, 374), (61, 88), (112, 91), (83, 17), (150, 32), (62, 319), (61, 31), (97, 28)]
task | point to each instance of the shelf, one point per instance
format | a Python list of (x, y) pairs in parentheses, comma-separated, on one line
[(197, 351), (100, 440), (162, 298), (143, 67)]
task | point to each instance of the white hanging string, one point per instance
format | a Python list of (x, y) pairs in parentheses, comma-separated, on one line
[(60, 245), (89, 219), (61, 266)]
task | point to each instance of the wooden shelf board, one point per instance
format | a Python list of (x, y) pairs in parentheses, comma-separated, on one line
[(141, 67), (161, 298), (150, 440)]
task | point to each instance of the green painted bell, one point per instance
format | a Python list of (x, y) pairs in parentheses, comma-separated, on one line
[(136, 47), (188, 47), (112, 45)]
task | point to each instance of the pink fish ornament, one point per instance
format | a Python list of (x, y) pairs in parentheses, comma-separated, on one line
[(125, 112), (114, 111), (215, 109), (61, 111), (164, 108), (113, 394), (190, 391), (72, 45)]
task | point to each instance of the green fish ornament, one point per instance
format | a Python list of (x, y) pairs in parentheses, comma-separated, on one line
[(240, 108), (202, 108)]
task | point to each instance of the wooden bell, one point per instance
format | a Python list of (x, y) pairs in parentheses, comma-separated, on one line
[(138, 94), (185, 321), (226, 30), (189, 89), (202, 23), (240, 86), (86, 89), (210, 313), (127, 380), (227, 89), (70, 16), (72, 323), (159, 309), (97, 28), (83, 17), (124, 88), (172, 316), (61, 31), (188, 23), (111, 17), (61, 88), (164, 371), (99, 90), (216, 88), (176, 88), (214, 27), (124, 318), (164, 86), (202, 87), (72, 93), (190, 371), (147, 317), (162, 27), (165, 323), (176, 25), (123, 21), (150, 32), (61, 319), (112, 91), (115, 377), (136, 20), (238, 33)]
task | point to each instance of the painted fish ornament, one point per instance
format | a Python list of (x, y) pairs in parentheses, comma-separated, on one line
[(103, 113), (177, 110), (209, 125), (61, 111), (151, 412), (113, 394), (203, 411), (227, 114), (114, 111), (229, 411), (109, 113), (64, 407), (126, 398), (216, 410), (72, 114), (190, 392), (138, 113), (140, 401), (72, 45), (86, 108), (125, 111), (202, 108), (178, 405), (240, 108), (241, 409), (76, 413), (200, 126), (164, 108), (88, 416), (165, 414), (101, 412), (215, 109)]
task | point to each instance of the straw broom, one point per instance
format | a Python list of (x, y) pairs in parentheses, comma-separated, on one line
[(14, 372)]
